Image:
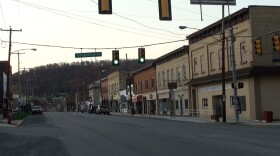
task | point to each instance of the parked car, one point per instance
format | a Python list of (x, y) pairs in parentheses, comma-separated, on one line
[(103, 109), (92, 109), (15, 109), (37, 110)]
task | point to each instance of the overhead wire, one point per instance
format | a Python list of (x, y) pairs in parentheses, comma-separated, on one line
[(19, 13), (61, 13), (186, 10), (3, 15), (94, 48), (140, 23)]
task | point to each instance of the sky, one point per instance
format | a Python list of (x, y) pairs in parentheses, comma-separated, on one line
[(77, 24)]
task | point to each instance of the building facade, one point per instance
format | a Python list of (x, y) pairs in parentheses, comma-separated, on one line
[(173, 68), (145, 90), (260, 74), (116, 83)]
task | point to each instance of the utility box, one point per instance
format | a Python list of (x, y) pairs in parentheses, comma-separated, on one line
[(268, 116)]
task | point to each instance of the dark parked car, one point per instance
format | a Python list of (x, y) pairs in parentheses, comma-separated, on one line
[(37, 110), (103, 109), (92, 109)]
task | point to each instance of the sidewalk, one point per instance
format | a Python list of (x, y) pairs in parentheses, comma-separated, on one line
[(195, 119), (14, 123)]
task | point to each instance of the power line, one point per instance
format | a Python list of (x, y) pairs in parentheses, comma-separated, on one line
[(66, 47), (61, 13), (140, 23), (3, 15)]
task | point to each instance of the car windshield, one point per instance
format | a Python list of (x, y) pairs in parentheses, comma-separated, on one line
[(37, 107)]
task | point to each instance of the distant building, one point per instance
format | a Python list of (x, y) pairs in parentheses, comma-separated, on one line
[(3, 85)]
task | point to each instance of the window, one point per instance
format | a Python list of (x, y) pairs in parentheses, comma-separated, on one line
[(212, 58), (201, 64), (204, 102), (141, 85), (153, 82), (243, 53), (195, 66), (146, 84), (186, 104), (159, 80), (172, 75), (178, 74), (167, 75), (163, 78), (184, 72), (177, 104), (220, 59), (136, 87)]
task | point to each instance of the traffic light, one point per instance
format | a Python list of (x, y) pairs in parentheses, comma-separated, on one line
[(258, 46), (276, 43), (240, 85), (115, 58), (105, 6), (141, 55), (165, 10)]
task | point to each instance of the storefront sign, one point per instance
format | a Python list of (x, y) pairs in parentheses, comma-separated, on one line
[(214, 88)]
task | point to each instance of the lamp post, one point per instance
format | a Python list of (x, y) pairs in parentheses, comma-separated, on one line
[(18, 53), (222, 40), (101, 94)]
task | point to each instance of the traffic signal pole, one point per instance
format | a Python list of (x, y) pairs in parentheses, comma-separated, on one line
[(234, 75), (223, 67)]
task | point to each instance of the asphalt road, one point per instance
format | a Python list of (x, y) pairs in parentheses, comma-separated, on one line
[(78, 134)]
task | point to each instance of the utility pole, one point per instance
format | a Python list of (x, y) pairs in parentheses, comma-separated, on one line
[(19, 77), (9, 60), (234, 75), (223, 66), (129, 86)]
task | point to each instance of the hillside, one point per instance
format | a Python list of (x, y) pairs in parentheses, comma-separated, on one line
[(66, 78)]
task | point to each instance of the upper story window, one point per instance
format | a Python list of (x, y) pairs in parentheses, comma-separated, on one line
[(178, 74), (146, 84), (202, 62), (153, 82), (136, 87), (184, 72), (195, 66), (243, 53), (168, 75), (159, 80), (172, 75), (141, 85), (212, 59), (220, 58), (163, 78)]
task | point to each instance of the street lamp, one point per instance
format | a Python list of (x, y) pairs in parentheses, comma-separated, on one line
[(18, 52), (185, 27)]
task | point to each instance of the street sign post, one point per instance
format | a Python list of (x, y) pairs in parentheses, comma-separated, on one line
[(90, 54), (214, 2)]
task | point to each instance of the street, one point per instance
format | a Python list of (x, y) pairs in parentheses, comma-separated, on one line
[(85, 134)]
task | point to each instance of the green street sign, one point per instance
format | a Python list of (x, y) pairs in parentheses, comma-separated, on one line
[(91, 54)]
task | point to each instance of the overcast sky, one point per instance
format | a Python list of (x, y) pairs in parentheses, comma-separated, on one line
[(76, 23)]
